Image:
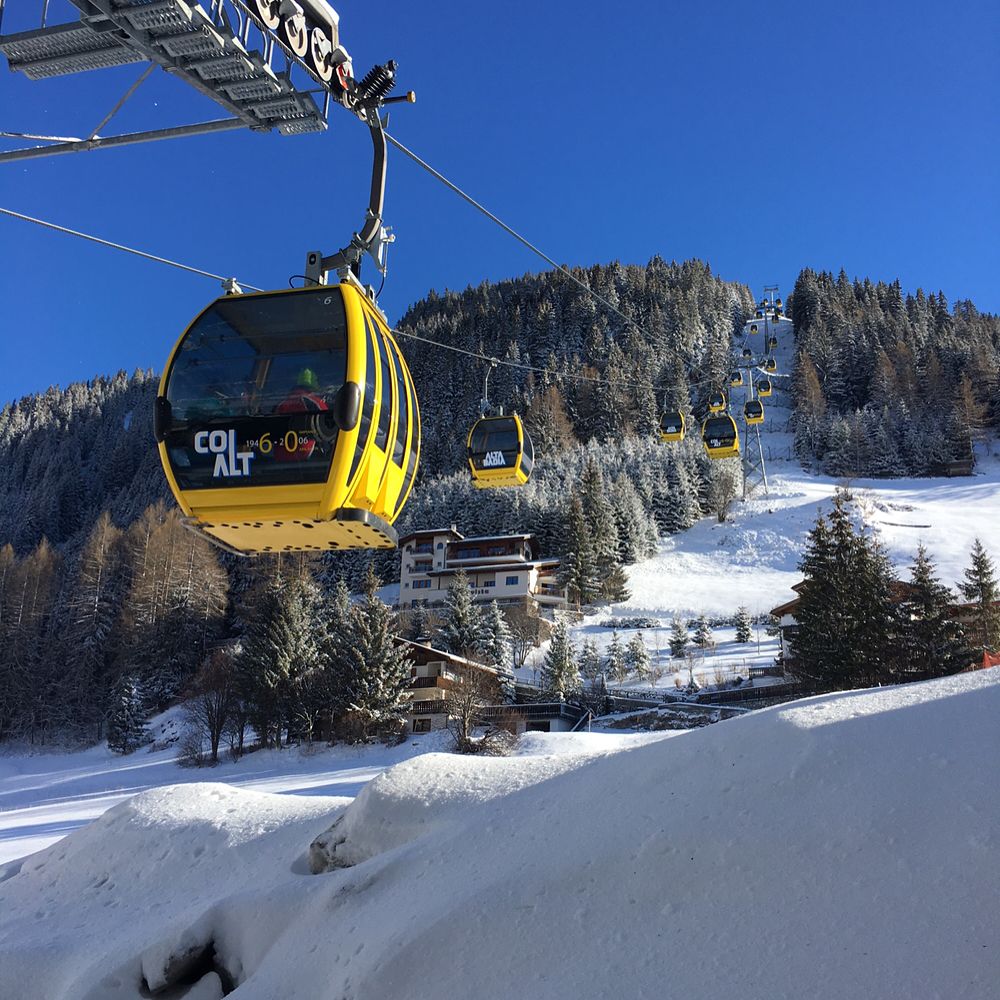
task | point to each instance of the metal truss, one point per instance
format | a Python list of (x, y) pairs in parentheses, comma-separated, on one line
[(222, 52)]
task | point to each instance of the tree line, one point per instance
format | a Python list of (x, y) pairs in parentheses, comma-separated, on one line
[(888, 384), (858, 625)]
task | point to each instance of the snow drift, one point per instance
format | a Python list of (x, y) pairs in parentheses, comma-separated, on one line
[(843, 846)]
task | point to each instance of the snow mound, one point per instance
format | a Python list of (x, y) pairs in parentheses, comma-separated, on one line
[(87, 903), (430, 793), (842, 846)]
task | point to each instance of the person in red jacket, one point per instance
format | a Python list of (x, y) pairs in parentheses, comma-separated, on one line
[(303, 397)]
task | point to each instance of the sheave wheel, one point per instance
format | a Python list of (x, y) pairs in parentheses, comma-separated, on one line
[(267, 13), (321, 55), (295, 32)]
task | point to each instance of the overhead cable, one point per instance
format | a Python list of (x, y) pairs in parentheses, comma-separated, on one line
[(119, 246)]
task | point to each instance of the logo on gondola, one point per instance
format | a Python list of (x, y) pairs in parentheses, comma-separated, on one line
[(493, 459), (229, 462)]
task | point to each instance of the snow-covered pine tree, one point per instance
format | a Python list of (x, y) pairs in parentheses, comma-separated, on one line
[(980, 589), (590, 660), (578, 567), (285, 640), (615, 665), (603, 533), (126, 718), (744, 625), (560, 675), (496, 649), (419, 624), (848, 626), (376, 667), (461, 620), (679, 638), (934, 642), (703, 633), (637, 657)]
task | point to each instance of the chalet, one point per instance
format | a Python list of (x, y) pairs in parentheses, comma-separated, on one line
[(507, 569), (433, 675)]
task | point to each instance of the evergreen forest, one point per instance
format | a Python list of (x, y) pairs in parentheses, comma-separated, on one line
[(106, 600)]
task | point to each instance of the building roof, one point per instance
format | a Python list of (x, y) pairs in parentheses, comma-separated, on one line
[(497, 538), (445, 655), (432, 533)]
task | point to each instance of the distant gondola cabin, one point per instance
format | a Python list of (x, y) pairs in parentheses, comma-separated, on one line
[(672, 426), (720, 436), (500, 452)]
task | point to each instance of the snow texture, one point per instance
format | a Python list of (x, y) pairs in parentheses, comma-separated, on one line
[(841, 846)]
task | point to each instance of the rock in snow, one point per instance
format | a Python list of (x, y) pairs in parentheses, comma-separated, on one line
[(843, 846)]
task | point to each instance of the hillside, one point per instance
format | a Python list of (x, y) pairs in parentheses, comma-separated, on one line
[(839, 846), (752, 558)]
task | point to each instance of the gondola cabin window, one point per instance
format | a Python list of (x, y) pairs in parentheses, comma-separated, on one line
[(251, 389)]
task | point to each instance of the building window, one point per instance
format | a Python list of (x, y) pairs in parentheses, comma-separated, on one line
[(421, 584), (440, 545), (490, 583), (512, 581), (406, 586), (421, 725)]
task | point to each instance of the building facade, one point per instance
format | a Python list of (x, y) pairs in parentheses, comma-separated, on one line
[(502, 568)]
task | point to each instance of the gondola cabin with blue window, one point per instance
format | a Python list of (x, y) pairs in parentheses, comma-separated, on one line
[(753, 412), (288, 422), (764, 388), (500, 452)]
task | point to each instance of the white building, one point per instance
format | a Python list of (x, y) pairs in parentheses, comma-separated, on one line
[(502, 568)]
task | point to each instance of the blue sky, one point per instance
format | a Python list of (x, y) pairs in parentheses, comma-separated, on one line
[(763, 138)]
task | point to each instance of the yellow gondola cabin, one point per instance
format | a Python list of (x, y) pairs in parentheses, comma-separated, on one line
[(288, 421)]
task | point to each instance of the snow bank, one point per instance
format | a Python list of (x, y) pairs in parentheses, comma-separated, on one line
[(430, 793), (843, 846)]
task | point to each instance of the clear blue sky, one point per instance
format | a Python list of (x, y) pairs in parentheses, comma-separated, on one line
[(761, 137)]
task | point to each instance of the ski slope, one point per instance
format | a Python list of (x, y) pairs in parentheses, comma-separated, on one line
[(841, 846), (752, 558)]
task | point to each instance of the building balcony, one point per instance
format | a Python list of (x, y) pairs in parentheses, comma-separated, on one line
[(444, 683)]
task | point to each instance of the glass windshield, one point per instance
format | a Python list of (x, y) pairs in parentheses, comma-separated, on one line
[(494, 444), (251, 387), (721, 429)]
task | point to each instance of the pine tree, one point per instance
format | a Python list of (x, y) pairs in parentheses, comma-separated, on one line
[(980, 589), (934, 642), (419, 623), (578, 567), (560, 675), (496, 649), (847, 623), (703, 633), (744, 625), (679, 638), (126, 732), (461, 622), (590, 661), (603, 530), (285, 641), (615, 666), (637, 657), (376, 667)]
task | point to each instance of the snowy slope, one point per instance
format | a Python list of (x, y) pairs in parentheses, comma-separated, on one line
[(713, 568), (843, 846)]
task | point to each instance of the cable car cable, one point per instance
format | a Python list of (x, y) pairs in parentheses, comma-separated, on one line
[(120, 246)]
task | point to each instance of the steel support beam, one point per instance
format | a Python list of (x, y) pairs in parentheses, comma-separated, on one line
[(129, 139)]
